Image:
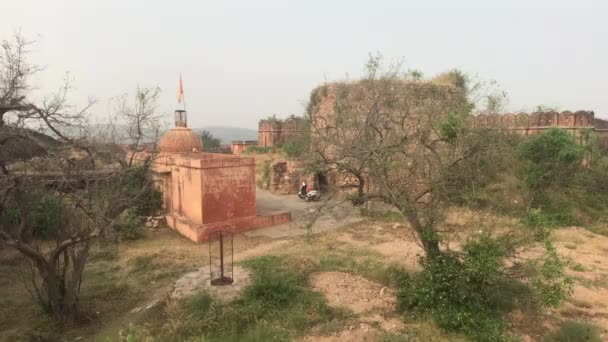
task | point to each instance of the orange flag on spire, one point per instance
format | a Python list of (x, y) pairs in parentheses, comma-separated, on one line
[(180, 90)]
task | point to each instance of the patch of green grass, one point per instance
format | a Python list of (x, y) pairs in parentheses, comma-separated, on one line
[(281, 295), (261, 332), (570, 331), (424, 329), (257, 150), (199, 304), (275, 307), (109, 253), (386, 336), (142, 263)]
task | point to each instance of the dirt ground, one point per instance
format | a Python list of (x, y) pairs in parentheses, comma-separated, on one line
[(149, 269), (588, 255), (374, 303), (354, 292)]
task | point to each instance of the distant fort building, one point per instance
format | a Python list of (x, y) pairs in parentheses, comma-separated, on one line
[(275, 132)]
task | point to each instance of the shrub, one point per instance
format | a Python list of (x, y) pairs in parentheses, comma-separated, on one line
[(209, 141), (293, 149), (265, 181), (148, 202), (487, 178), (452, 126), (552, 159), (128, 227), (541, 222), (258, 149), (45, 215), (571, 331), (461, 294), (299, 144), (551, 282), (568, 191)]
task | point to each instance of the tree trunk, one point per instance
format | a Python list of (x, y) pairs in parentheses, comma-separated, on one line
[(60, 306), (61, 284), (360, 198), (429, 241)]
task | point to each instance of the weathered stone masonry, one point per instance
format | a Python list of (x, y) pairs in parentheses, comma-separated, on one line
[(275, 132), (535, 123)]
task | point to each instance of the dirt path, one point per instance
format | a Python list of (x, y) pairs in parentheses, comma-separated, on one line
[(373, 304), (588, 255)]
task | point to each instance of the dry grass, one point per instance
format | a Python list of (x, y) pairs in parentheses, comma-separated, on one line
[(118, 279), (581, 304)]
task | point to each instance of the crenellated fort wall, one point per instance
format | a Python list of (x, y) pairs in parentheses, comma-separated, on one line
[(534, 123)]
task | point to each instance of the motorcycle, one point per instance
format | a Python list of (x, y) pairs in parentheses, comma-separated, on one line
[(312, 195)]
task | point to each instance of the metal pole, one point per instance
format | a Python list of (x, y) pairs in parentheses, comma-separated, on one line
[(183, 93), (221, 257), (210, 257)]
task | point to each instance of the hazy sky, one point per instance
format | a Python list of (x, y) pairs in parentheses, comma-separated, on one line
[(242, 60)]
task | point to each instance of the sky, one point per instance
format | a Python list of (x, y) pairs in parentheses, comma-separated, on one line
[(244, 60)]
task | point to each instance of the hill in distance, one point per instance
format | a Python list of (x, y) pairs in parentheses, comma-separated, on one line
[(227, 134)]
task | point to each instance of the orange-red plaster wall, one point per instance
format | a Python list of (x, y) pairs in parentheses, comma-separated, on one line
[(228, 190), (186, 198)]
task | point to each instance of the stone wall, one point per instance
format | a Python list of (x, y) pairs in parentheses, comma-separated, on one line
[(240, 146), (535, 123), (425, 102), (286, 177), (275, 132)]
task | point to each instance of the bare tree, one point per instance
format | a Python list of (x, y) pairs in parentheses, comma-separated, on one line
[(138, 122), (394, 139), (90, 200)]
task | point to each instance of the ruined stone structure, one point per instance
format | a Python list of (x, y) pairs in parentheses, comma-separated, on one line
[(239, 146), (425, 101), (578, 123), (275, 132), (203, 192), (287, 176)]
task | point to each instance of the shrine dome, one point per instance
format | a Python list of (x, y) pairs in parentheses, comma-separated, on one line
[(181, 138)]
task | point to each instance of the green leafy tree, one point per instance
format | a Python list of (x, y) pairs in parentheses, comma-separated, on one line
[(209, 141), (551, 159), (408, 145)]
